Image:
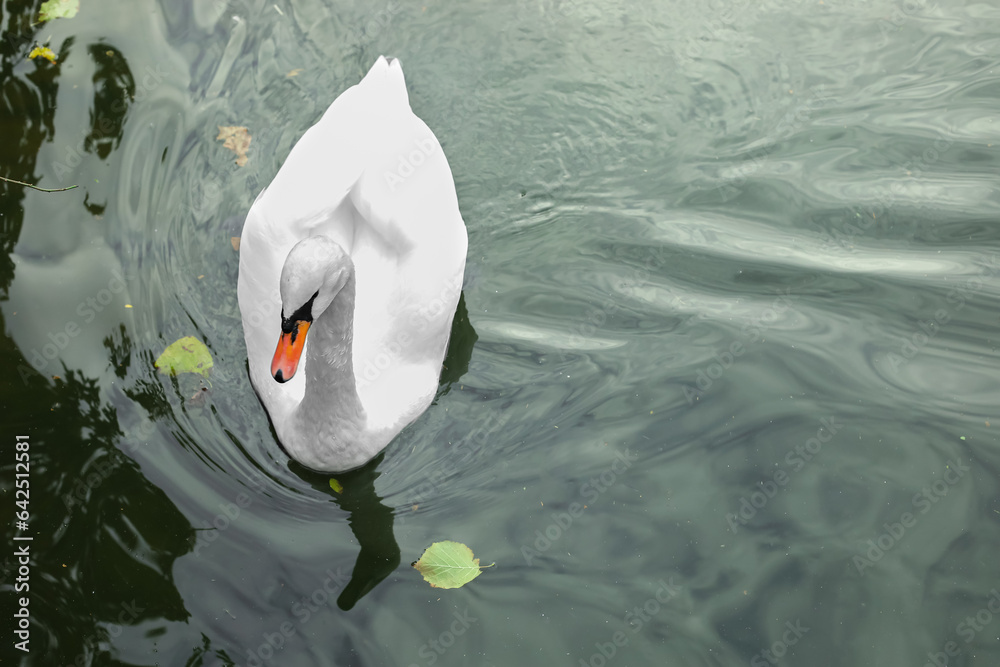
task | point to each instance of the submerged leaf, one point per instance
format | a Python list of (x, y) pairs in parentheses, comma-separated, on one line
[(237, 139), (187, 355), (44, 52), (448, 565), (58, 9), (336, 486)]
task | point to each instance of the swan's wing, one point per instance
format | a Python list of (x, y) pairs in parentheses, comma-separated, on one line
[(409, 253), (330, 157)]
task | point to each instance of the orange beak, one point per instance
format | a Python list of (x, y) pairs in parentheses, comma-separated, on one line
[(289, 351)]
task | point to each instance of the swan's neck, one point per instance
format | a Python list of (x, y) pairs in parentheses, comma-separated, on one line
[(331, 419)]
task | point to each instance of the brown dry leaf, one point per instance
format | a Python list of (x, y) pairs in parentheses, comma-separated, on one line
[(235, 240), (237, 139)]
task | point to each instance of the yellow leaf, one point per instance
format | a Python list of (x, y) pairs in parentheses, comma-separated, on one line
[(44, 52), (187, 355)]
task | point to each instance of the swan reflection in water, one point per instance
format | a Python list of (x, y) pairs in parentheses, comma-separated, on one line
[(370, 519)]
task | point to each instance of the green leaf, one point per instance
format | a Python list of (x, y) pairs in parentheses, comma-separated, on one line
[(448, 565), (336, 486), (187, 355), (58, 9)]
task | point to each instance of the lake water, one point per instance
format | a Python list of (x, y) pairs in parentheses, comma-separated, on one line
[(722, 392)]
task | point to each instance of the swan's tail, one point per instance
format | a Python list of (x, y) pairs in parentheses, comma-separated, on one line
[(385, 80)]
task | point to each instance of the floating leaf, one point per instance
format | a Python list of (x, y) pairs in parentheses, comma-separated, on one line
[(58, 9), (336, 486), (235, 242), (44, 52), (187, 355), (448, 565), (237, 139)]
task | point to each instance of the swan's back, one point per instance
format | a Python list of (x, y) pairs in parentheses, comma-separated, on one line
[(371, 176)]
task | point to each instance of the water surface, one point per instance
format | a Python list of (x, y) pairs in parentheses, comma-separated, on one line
[(722, 393)]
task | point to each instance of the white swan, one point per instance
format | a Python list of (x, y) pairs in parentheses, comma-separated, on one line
[(359, 242)]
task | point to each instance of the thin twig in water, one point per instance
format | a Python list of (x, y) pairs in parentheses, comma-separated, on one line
[(35, 187)]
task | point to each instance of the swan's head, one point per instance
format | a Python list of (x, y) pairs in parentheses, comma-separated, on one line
[(315, 271)]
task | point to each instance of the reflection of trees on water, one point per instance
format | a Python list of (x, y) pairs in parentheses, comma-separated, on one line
[(27, 109), (114, 90), (27, 115), (105, 539)]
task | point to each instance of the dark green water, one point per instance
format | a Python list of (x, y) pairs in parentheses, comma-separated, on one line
[(730, 360)]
